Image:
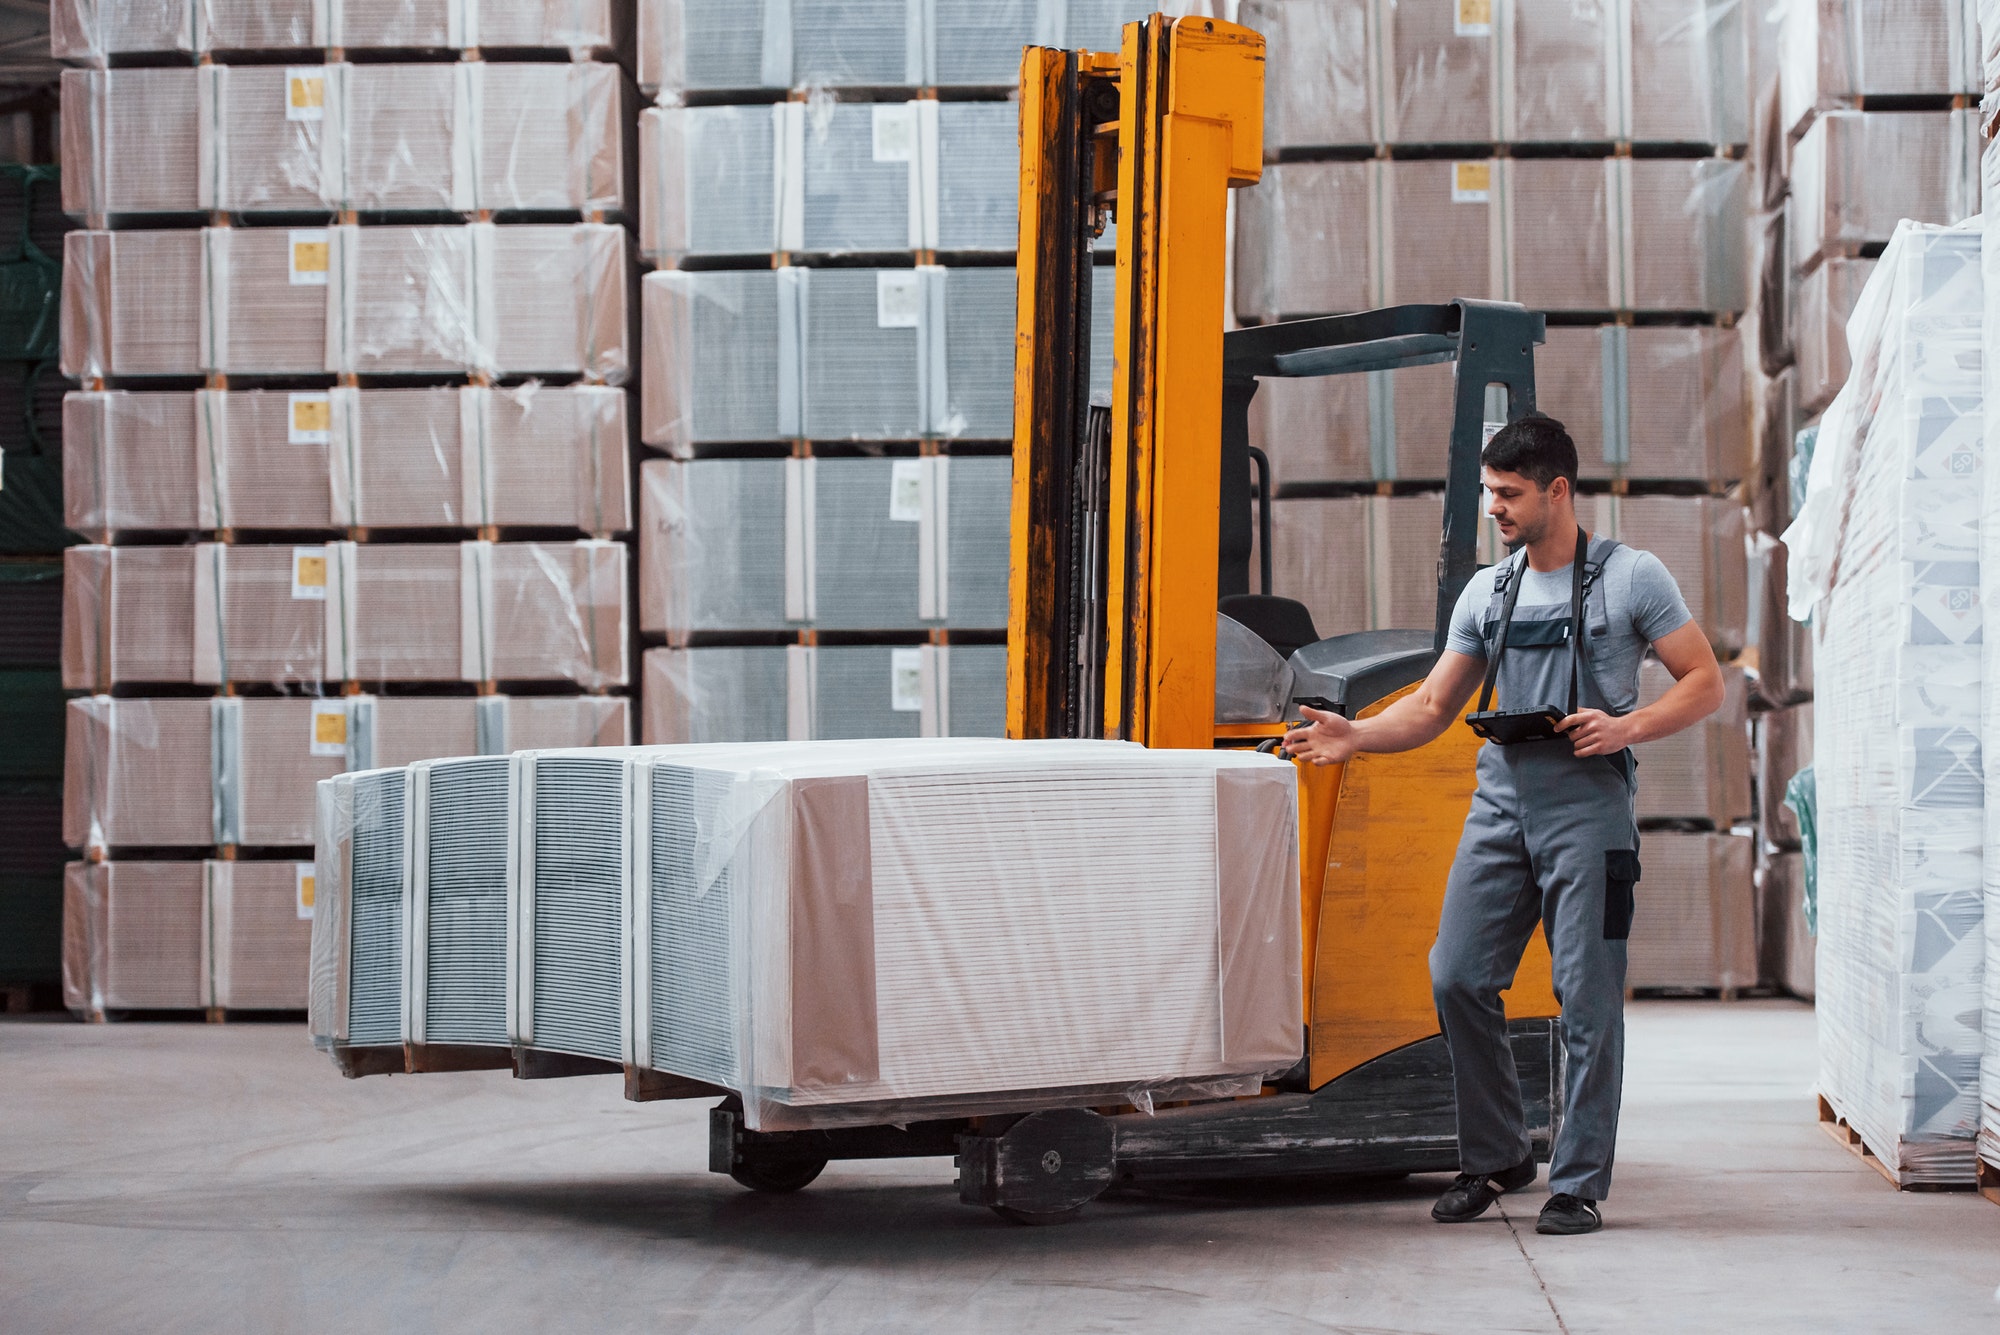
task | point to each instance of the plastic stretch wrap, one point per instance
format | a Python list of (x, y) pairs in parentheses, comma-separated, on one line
[(1785, 946), (132, 936), (552, 611), (1886, 555), (131, 142), (456, 988), (533, 722), (803, 933), (1688, 70), (1358, 562), (1856, 174), (128, 616), (360, 859), (514, 300), (1834, 51), (710, 46), (1439, 73), (1653, 234), (777, 693), (259, 932), (1772, 297), (1305, 243), (1696, 922), (834, 544), (1382, 425), (1318, 91), (127, 771), (1989, 579), (1826, 299), (1785, 746), (1701, 773), (270, 754), (1562, 78), (1679, 407), (90, 31), (1700, 540)]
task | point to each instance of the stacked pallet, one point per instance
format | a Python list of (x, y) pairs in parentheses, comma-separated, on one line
[(1887, 556), (828, 199), (349, 309), (1586, 161), (1864, 117), (793, 922)]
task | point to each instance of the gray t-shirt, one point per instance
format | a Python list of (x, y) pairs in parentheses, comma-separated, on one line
[(1641, 602)]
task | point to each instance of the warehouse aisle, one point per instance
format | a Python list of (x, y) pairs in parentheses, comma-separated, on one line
[(187, 1178)]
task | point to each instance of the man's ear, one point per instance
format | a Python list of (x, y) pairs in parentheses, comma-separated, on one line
[(1560, 489)]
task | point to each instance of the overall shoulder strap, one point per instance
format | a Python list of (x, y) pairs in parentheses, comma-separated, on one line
[(1508, 579)]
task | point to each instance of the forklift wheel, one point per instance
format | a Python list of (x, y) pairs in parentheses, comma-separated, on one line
[(777, 1176), (1033, 1217)]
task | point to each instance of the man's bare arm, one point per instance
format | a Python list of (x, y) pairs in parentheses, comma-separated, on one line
[(1696, 693), (1419, 717)]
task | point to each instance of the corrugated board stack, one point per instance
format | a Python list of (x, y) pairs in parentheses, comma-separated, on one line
[(1586, 161), (1887, 555), (350, 312), (1863, 117), (829, 197), (31, 539), (1988, 1166), (794, 922)]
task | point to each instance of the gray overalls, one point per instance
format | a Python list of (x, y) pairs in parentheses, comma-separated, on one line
[(1551, 839)]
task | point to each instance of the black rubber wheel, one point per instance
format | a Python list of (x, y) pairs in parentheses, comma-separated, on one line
[(1034, 1218), (777, 1176)]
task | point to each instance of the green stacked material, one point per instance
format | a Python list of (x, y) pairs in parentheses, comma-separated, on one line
[(31, 865), (31, 770), (31, 387)]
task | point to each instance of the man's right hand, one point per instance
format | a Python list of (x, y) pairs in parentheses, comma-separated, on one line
[(1325, 739)]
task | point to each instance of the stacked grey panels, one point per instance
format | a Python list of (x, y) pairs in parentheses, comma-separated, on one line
[(858, 43), (976, 689), (978, 388), (858, 178), (978, 175), (714, 546), (977, 43), (721, 354), (864, 367), (862, 691), (458, 903), (566, 891), (867, 544), (709, 182), (376, 906), (978, 510), (690, 926), (721, 693)]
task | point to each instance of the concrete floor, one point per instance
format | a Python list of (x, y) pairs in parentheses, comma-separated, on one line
[(166, 1178)]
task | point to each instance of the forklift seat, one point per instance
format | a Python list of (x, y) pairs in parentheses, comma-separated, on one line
[(1282, 623)]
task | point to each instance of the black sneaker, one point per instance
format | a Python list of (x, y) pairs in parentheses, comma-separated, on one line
[(1566, 1214), (1470, 1194)]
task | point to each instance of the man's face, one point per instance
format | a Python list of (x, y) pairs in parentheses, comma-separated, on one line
[(1522, 510)]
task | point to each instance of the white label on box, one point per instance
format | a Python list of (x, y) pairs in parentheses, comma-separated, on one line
[(306, 887), (906, 491), (305, 93), (329, 728), (1487, 431), (311, 420), (899, 299), (309, 256), (895, 132), (1474, 18), (1471, 182), (906, 680), (309, 573)]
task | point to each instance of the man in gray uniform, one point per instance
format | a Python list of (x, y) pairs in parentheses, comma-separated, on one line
[(1551, 836)]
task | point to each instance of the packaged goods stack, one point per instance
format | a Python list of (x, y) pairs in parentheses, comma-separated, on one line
[(349, 307), (1864, 117), (828, 200), (31, 542), (1988, 1165), (1586, 160), (1886, 555), (1077, 880)]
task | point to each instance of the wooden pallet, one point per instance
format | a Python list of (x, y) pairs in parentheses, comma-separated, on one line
[(1989, 1180), (1850, 1140)]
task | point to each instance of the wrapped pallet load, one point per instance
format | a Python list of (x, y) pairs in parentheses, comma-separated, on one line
[(1886, 557), (850, 933)]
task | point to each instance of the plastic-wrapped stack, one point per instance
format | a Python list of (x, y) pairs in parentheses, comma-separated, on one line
[(1887, 556), (1989, 567), (823, 928), (351, 309), (1583, 160), (828, 346)]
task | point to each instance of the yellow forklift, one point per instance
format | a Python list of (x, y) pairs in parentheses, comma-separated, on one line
[(1132, 544)]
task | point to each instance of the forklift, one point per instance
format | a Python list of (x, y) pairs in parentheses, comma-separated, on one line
[(1132, 542)]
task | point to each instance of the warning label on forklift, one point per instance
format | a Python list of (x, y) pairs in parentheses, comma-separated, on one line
[(1471, 182)]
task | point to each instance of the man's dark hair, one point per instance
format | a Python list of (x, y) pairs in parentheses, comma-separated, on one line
[(1536, 447)]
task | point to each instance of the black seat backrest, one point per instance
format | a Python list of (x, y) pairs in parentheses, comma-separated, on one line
[(1282, 623)]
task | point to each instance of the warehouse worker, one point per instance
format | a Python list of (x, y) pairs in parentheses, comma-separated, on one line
[(1551, 836)]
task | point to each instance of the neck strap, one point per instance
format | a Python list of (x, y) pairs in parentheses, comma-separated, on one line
[(1515, 580)]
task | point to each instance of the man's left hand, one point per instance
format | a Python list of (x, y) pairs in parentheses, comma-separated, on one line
[(1592, 732)]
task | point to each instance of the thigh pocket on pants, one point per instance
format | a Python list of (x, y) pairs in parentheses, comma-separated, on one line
[(1621, 873)]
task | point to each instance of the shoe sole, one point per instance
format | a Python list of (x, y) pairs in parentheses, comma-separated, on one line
[(1567, 1230), (1458, 1218)]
